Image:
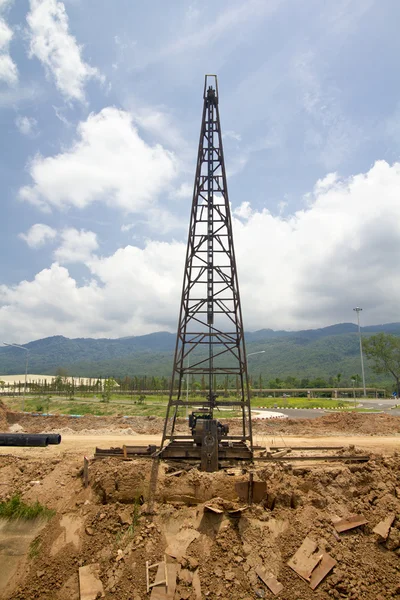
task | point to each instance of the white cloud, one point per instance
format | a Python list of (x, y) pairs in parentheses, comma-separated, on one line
[(108, 163), (8, 69), (127, 227), (26, 125), (232, 135), (306, 270), (76, 246), (38, 235), (184, 191), (58, 50), (244, 211)]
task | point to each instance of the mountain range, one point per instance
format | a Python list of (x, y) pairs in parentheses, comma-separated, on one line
[(309, 353)]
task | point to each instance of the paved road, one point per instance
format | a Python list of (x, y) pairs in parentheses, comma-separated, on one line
[(292, 413), (312, 413)]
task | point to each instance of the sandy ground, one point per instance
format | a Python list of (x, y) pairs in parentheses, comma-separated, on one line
[(86, 444)]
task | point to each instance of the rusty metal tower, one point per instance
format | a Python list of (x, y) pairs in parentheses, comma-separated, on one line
[(210, 342)]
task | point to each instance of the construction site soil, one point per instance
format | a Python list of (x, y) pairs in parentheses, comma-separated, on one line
[(330, 424), (144, 510)]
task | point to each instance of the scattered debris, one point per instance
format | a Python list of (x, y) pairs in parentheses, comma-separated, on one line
[(270, 581), (178, 546), (349, 523), (321, 571), (311, 563), (383, 527), (90, 585), (306, 559)]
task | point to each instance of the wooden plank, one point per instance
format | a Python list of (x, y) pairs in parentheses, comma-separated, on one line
[(321, 571), (213, 509), (242, 490), (175, 473), (89, 582), (180, 543), (259, 490), (349, 523), (279, 453), (383, 527), (304, 561), (270, 581), (159, 587), (197, 585), (85, 471)]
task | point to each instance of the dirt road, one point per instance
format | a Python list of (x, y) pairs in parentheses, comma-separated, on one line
[(85, 444)]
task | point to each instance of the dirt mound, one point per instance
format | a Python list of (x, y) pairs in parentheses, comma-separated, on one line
[(3, 418), (333, 424), (37, 424), (330, 424)]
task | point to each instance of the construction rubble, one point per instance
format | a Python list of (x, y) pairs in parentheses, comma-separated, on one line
[(145, 529)]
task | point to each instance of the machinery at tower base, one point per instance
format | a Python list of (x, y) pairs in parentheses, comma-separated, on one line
[(210, 339)]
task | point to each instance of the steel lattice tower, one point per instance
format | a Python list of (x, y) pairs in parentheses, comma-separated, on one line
[(210, 341)]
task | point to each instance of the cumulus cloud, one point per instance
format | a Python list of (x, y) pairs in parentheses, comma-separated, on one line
[(109, 162), (76, 246), (38, 235), (307, 270), (8, 69), (55, 47), (26, 125)]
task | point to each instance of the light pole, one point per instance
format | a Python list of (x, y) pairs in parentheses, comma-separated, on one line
[(252, 353), (26, 368), (358, 310), (354, 392)]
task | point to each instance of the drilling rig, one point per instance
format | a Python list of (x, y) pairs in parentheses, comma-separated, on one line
[(210, 343)]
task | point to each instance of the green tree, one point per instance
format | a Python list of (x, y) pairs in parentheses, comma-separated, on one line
[(109, 385), (383, 349)]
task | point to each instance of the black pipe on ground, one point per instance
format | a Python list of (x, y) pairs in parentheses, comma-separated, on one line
[(29, 439)]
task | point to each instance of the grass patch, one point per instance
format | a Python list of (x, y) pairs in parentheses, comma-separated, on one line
[(156, 406), (34, 548), (298, 403), (15, 508)]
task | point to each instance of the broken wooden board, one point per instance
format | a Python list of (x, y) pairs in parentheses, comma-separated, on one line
[(307, 557), (213, 509), (349, 523), (258, 490), (161, 591), (180, 543), (89, 582), (236, 512), (196, 585), (175, 473), (278, 453), (383, 527), (270, 581), (321, 571)]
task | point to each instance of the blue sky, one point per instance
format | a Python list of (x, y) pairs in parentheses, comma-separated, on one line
[(100, 106)]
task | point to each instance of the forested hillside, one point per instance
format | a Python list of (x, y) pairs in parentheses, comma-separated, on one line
[(308, 354)]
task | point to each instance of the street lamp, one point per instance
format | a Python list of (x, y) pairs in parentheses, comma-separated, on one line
[(358, 310), (354, 392), (26, 367)]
